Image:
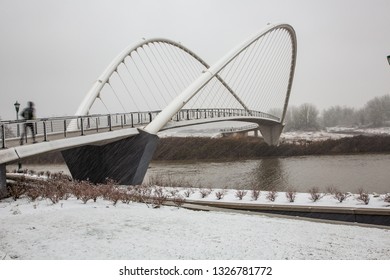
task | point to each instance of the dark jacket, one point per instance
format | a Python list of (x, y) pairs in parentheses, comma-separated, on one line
[(28, 113)]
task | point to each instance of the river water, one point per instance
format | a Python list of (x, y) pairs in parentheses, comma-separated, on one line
[(346, 172)]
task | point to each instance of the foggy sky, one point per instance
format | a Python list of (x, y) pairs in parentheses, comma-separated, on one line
[(52, 51)]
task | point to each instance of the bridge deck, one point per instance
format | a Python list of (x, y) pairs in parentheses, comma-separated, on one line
[(18, 152), (103, 129)]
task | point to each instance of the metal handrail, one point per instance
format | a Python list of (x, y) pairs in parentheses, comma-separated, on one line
[(239, 129), (58, 127)]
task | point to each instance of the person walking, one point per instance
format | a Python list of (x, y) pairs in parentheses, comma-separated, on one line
[(28, 114)]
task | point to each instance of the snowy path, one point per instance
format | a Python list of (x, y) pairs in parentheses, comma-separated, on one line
[(72, 230)]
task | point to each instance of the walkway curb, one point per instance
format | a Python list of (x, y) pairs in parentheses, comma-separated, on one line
[(349, 215)]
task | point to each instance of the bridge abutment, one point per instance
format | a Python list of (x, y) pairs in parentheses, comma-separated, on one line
[(271, 133), (3, 181), (125, 161)]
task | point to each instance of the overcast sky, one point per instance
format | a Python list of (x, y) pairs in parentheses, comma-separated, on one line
[(52, 51)]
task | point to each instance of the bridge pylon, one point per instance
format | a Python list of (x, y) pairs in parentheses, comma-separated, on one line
[(271, 133), (125, 161)]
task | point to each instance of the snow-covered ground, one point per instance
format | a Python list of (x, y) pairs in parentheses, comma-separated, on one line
[(296, 136), (214, 130), (331, 133), (73, 230)]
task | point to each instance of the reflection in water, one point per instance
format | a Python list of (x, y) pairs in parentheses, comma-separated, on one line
[(269, 174)]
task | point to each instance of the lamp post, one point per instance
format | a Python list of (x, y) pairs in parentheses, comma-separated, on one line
[(17, 106)]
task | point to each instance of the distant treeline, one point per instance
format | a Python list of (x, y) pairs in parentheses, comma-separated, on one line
[(375, 113), (199, 148)]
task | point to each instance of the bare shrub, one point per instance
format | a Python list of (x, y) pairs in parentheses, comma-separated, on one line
[(158, 197), (220, 194), (145, 191), (363, 196), (204, 192), (255, 194), (127, 197), (105, 191), (271, 195), (85, 196), (340, 196), (88, 191), (50, 193), (240, 194), (140, 193), (95, 193), (188, 192), (291, 194), (60, 176), (255, 191), (17, 190), (34, 192), (76, 190), (62, 188), (173, 192), (115, 196), (315, 194), (56, 189)]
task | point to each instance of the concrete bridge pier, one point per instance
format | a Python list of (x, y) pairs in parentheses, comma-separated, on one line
[(125, 161), (271, 134), (3, 181)]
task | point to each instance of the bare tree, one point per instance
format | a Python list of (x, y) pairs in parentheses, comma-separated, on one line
[(378, 110), (339, 116), (304, 117)]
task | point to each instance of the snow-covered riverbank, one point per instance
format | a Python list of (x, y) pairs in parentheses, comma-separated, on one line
[(73, 230)]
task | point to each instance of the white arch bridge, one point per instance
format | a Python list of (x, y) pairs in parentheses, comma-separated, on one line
[(159, 84)]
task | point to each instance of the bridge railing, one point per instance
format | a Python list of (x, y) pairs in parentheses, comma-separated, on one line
[(192, 114), (14, 133), (239, 129)]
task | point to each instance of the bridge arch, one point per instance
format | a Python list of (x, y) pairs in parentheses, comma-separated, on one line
[(180, 101), (112, 68)]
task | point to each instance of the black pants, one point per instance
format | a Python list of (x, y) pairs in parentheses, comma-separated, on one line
[(24, 132)]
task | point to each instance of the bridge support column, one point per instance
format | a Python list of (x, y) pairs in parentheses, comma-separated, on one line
[(271, 134), (3, 181), (125, 161)]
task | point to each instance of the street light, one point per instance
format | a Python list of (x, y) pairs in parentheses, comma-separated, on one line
[(17, 106)]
